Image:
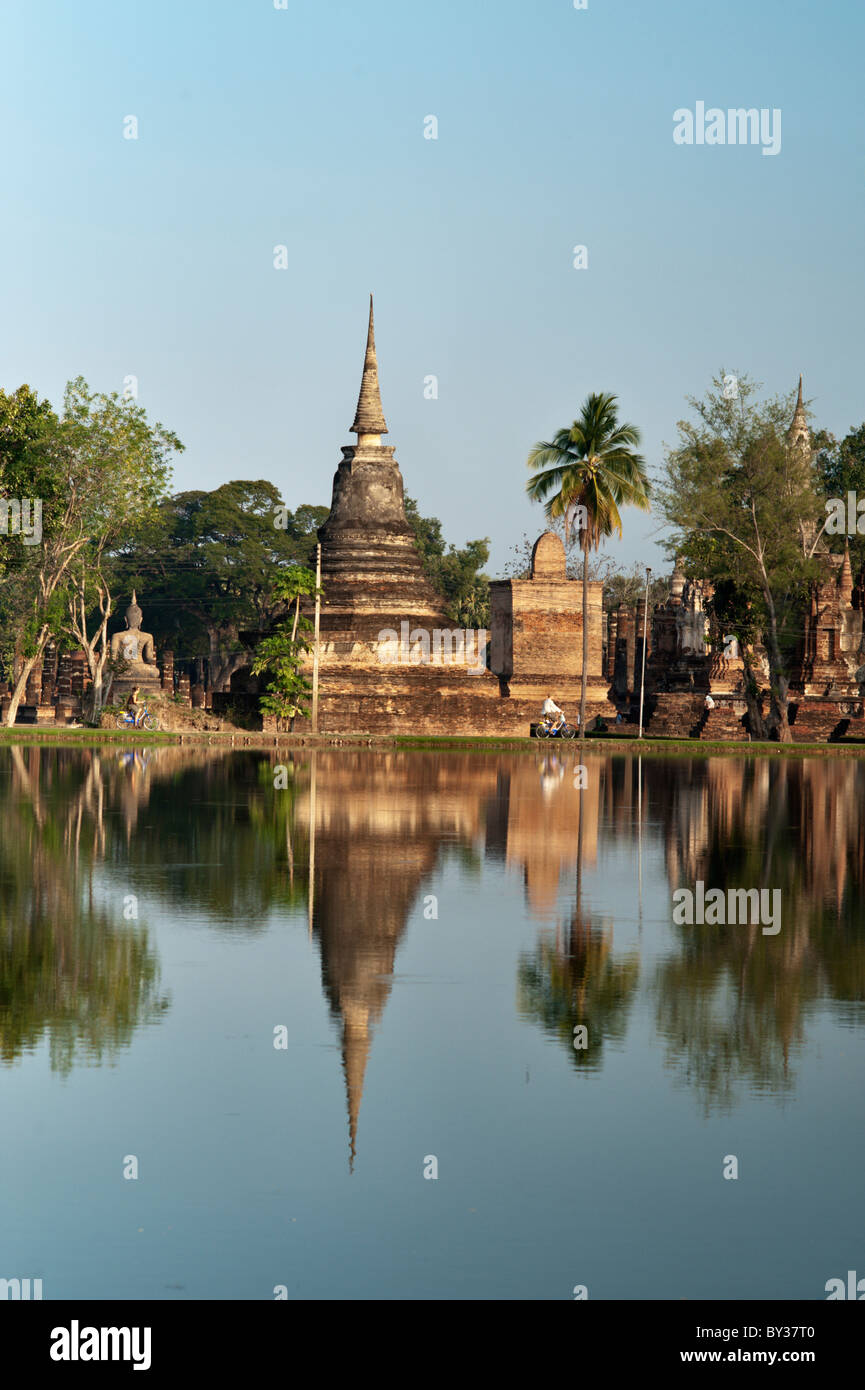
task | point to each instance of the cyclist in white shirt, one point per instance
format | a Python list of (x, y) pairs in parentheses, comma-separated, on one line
[(550, 708)]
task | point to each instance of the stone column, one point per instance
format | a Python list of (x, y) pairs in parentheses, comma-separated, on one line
[(33, 689), (64, 680), (183, 688), (624, 680), (47, 692), (197, 696), (612, 633), (78, 673), (168, 672), (639, 641)]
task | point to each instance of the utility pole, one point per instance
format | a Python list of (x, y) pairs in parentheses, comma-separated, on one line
[(315, 648), (645, 638)]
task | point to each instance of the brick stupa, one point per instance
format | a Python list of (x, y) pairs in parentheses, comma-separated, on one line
[(373, 582), (371, 570)]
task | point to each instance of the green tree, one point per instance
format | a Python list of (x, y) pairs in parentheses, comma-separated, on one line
[(733, 611), (744, 508), (98, 470), (455, 573), (629, 586), (26, 424), (281, 654), (585, 475), (840, 468), (205, 570), (28, 474), (126, 463)]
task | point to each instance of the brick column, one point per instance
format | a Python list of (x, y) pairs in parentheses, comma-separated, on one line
[(624, 678), (612, 632), (640, 639), (63, 689), (33, 690)]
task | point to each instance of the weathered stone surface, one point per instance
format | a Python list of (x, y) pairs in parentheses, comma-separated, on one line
[(372, 575), (537, 625), (831, 657), (137, 650)]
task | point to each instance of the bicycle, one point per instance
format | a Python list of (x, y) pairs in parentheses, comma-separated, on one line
[(144, 720), (549, 730)]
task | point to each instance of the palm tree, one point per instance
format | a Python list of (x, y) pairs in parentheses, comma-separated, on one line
[(588, 472)]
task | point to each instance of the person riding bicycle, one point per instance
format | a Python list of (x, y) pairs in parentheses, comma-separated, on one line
[(549, 710), (134, 706)]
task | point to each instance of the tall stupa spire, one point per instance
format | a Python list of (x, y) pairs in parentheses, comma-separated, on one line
[(845, 578), (798, 435), (369, 416)]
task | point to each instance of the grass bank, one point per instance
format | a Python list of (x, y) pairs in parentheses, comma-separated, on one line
[(594, 743)]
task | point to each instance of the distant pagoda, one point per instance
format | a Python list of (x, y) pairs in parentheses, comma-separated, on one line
[(372, 574)]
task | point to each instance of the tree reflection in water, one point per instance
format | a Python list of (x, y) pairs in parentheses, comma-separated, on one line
[(70, 970)]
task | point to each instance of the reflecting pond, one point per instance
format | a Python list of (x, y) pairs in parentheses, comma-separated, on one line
[(423, 1025)]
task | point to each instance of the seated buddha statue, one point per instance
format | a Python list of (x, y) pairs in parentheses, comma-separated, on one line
[(137, 649)]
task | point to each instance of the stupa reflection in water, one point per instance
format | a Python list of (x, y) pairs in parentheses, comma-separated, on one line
[(358, 838)]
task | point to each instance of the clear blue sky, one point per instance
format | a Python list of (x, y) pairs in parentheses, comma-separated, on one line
[(304, 127)]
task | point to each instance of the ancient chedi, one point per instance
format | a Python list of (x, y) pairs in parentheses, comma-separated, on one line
[(373, 583), (372, 575), (438, 680), (135, 651)]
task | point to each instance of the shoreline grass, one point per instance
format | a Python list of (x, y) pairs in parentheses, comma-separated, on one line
[(33, 735)]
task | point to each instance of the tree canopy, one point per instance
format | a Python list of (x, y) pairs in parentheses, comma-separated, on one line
[(744, 510), (455, 573), (205, 568)]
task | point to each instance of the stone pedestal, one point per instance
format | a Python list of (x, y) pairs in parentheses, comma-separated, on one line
[(142, 678)]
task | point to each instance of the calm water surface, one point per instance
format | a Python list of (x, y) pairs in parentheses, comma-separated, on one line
[(420, 934)]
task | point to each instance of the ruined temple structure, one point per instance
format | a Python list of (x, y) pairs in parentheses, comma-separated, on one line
[(828, 677), (55, 689), (390, 660), (537, 636), (371, 571), (831, 657), (687, 660)]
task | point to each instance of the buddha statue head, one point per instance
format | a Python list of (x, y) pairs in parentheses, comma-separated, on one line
[(134, 615)]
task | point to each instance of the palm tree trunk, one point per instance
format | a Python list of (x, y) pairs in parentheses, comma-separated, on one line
[(585, 633)]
